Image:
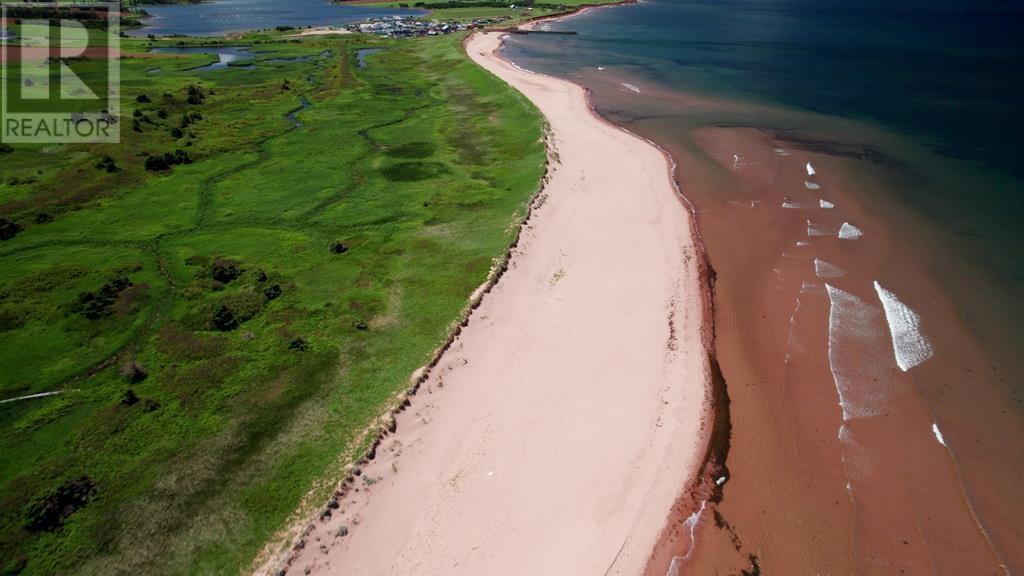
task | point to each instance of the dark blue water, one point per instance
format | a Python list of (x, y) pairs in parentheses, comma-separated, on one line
[(945, 75), (949, 70), (222, 16)]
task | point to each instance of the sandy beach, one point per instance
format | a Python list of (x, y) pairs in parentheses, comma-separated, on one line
[(320, 31), (555, 434)]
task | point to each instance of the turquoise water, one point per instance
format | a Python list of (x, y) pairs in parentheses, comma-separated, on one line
[(222, 16)]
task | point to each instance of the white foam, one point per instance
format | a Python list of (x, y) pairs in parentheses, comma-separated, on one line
[(846, 439), (849, 232), (826, 204), (793, 205), (810, 170), (791, 341), (806, 287), (802, 243), (812, 185), (781, 152), (857, 459), (909, 345), (735, 161), (823, 269), (863, 386), (631, 87), (817, 230), (691, 526), (600, 67), (938, 434)]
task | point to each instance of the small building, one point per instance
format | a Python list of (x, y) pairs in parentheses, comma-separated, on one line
[(7, 36)]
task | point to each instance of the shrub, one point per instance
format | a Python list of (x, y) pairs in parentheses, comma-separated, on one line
[(142, 99), (133, 371), (224, 319), (164, 162), (224, 270), (95, 305), (338, 248), (8, 229), (107, 163), (48, 513), (272, 293), (129, 398), (156, 164), (195, 95)]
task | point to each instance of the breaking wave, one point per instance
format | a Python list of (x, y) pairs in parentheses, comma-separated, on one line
[(823, 269), (849, 232), (853, 326), (909, 345), (938, 434), (818, 230)]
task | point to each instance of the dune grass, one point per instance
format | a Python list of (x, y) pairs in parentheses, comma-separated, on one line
[(255, 354)]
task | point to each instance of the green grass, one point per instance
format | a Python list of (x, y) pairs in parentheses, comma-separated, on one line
[(441, 9), (420, 163)]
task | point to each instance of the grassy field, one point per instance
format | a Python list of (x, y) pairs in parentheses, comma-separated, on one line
[(221, 329)]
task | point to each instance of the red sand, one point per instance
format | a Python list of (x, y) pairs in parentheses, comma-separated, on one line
[(889, 498)]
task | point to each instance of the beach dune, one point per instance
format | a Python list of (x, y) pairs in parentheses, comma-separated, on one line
[(556, 433)]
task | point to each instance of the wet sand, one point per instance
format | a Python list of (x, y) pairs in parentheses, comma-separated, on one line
[(839, 461), (570, 413)]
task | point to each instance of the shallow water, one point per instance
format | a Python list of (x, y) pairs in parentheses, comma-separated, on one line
[(225, 55), (362, 53), (855, 171), (223, 16)]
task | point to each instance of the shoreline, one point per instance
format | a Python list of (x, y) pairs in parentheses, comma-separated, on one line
[(707, 480), (773, 342), (694, 301)]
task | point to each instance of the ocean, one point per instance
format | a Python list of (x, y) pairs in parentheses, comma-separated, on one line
[(855, 170)]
